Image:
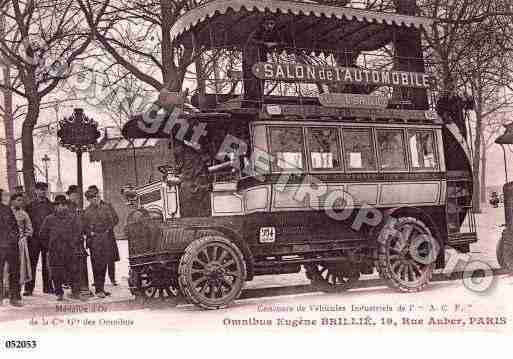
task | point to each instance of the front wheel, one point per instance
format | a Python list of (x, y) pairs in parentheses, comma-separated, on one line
[(406, 254), (212, 272)]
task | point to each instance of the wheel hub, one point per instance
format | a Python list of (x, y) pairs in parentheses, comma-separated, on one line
[(404, 252), (215, 272)]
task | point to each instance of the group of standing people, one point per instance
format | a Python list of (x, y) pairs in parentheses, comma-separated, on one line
[(56, 232)]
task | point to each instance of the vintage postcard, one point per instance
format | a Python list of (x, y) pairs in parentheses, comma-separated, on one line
[(232, 167)]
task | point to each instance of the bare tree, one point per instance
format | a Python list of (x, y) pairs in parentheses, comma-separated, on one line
[(6, 110), (491, 97), (42, 39), (469, 47), (492, 128), (136, 36)]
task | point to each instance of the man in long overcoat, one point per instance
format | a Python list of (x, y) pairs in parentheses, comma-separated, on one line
[(62, 231), (9, 253), (111, 266), (79, 266), (99, 220), (25, 232), (38, 210)]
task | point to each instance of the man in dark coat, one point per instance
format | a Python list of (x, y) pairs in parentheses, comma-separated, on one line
[(111, 266), (38, 210), (99, 220), (80, 254), (72, 193), (9, 253), (63, 233)]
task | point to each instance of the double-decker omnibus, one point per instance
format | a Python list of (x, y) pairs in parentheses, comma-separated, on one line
[(314, 159)]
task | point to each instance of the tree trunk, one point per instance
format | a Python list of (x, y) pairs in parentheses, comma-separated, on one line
[(9, 133), (172, 76), (477, 162), (483, 195), (166, 46), (27, 143)]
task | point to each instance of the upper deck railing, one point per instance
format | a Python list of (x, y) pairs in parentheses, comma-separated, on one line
[(302, 74)]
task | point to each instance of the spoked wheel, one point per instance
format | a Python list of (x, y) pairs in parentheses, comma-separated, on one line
[(157, 283), (212, 272), (332, 277), (406, 254)]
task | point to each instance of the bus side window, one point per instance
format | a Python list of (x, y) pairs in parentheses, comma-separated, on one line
[(422, 149), (391, 149), (287, 148), (358, 150), (323, 145)]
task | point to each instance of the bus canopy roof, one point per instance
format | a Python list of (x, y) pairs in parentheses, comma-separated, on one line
[(226, 23)]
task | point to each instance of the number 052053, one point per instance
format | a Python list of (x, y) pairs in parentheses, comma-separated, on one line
[(20, 344)]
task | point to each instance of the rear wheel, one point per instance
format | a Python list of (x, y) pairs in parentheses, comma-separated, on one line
[(157, 283), (406, 254), (212, 272), (332, 277)]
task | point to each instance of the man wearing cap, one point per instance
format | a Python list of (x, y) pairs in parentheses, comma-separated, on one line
[(73, 198), (79, 266), (9, 253), (111, 266), (38, 210), (62, 231), (73, 206), (99, 220)]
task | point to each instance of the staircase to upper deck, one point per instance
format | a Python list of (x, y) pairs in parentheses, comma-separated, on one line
[(461, 221)]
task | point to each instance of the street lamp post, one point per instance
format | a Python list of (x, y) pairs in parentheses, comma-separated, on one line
[(59, 176), (80, 178), (79, 133), (45, 160)]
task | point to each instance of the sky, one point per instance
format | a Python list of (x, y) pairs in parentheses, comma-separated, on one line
[(91, 170), (495, 172)]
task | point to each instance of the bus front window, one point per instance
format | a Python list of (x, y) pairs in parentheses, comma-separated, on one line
[(422, 149)]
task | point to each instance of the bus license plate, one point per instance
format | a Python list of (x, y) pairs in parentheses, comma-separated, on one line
[(267, 235)]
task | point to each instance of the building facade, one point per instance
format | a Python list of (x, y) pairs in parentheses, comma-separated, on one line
[(124, 162)]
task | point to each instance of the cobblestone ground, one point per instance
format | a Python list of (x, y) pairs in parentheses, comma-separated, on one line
[(484, 251)]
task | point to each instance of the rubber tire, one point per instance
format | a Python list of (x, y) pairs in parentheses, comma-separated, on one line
[(386, 272), (183, 271), (169, 300), (322, 286)]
